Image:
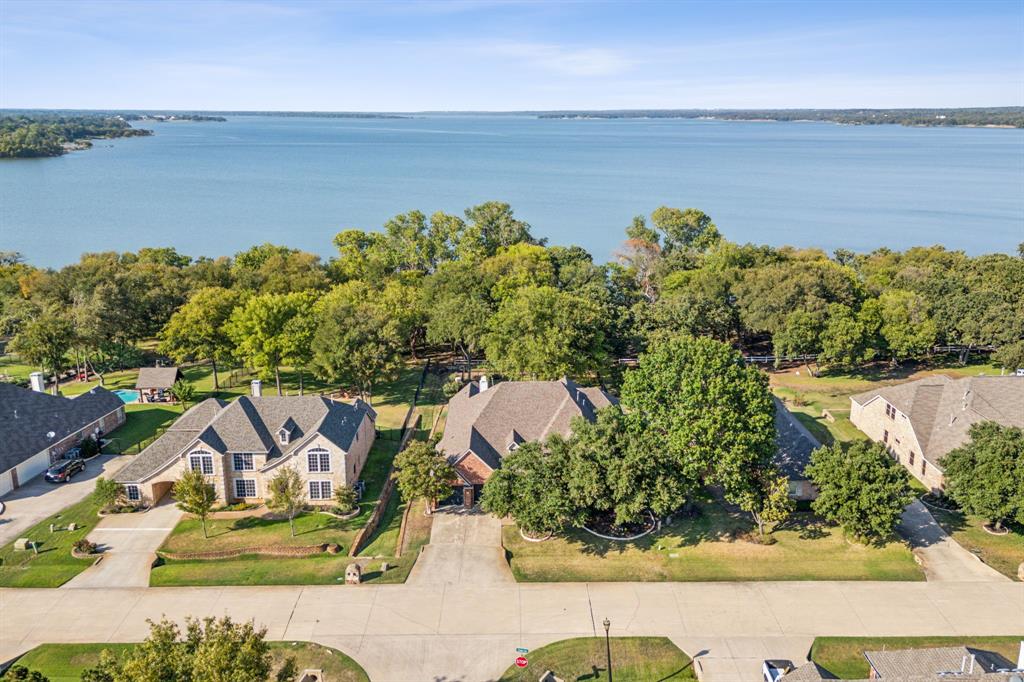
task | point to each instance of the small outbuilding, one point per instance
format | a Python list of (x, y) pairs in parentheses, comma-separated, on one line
[(154, 383)]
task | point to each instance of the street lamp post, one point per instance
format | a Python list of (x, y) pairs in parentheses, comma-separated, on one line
[(608, 647)]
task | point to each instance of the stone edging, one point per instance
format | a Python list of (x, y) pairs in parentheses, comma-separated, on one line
[(271, 550), (984, 527), (626, 539), (546, 537), (932, 506), (344, 517)]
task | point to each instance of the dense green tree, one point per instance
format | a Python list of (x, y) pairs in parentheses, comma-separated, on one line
[(860, 488), (688, 228), (543, 333), (843, 338), (766, 499), (530, 487), (907, 327), (1010, 356), (986, 475), (198, 329), (423, 472), (210, 650), (262, 330), (45, 342), (360, 336), (800, 334), (705, 408)]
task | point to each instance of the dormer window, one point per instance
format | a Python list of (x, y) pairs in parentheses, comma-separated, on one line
[(283, 436), (513, 446)]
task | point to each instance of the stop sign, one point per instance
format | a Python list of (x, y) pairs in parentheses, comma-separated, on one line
[(521, 662)]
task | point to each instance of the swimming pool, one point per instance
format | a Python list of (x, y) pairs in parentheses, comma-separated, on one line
[(127, 395)]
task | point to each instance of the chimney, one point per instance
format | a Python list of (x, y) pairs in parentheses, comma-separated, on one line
[(37, 381), (257, 388), (483, 384)]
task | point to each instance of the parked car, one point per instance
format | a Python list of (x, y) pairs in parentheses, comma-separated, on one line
[(61, 472)]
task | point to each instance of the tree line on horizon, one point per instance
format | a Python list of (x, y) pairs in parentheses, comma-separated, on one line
[(484, 286), (35, 135)]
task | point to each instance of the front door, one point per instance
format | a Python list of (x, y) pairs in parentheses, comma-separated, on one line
[(468, 499)]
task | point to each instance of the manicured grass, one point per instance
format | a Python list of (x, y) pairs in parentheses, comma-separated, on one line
[(634, 659), (703, 549), (54, 565), (1002, 552), (806, 396), (66, 662), (311, 528), (12, 366), (844, 656), (141, 426)]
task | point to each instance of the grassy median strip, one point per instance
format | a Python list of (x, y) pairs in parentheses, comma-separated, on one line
[(634, 659), (844, 656), (53, 565), (66, 662), (706, 548)]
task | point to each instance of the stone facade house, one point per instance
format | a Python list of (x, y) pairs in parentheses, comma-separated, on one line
[(37, 428), (921, 421), (485, 423), (241, 445)]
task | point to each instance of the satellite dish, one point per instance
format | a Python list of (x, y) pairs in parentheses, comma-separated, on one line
[(51, 434)]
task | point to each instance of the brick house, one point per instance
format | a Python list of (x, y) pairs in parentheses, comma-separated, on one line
[(485, 423), (36, 428), (241, 445), (921, 421)]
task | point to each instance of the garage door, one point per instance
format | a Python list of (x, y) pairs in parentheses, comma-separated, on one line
[(31, 468)]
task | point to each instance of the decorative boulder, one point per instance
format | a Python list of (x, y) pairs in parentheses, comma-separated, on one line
[(353, 574), (72, 526), (21, 543), (384, 567)]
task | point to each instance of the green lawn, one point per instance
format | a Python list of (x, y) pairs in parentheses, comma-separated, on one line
[(12, 366), (54, 565), (1002, 552), (66, 662), (806, 396), (634, 659), (704, 549), (844, 656)]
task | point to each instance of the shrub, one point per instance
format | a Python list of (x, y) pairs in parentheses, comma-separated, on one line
[(83, 546), (450, 388), (89, 447)]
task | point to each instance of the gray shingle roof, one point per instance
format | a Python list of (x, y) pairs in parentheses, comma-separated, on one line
[(794, 444), (487, 421), (942, 410), (157, 377), (250, 425), (27, 416), (897, 664)]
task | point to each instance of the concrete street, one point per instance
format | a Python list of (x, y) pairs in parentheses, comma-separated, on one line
[(37, 499), (940, 556), (456, 632), (129, 543)]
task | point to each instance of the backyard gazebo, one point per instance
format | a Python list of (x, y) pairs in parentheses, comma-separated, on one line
[(154, 383)]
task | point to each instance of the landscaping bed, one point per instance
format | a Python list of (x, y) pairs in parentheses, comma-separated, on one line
[(66, 662), (844, 656), (705, 548), (634, 659)]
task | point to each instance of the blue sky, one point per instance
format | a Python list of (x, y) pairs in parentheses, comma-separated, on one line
[(463, 55)]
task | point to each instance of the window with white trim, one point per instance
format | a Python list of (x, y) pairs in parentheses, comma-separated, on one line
[(320, 490), (319, 460), (132, 493), (283, 436), (242, 461), (201, 461), (245, 487)]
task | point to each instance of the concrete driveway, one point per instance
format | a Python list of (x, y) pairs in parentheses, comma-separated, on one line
[(465, 549), (129, 543), (941, 557), (37, 499)]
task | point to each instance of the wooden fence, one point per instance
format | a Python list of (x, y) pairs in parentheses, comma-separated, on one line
[(409, 426)]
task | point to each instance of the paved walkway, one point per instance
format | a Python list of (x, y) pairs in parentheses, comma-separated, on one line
[(443, 632), (465, 549), (37, 499), (941, 557), (129, 543)]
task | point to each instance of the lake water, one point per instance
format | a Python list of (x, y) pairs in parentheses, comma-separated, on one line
[(216, 188)]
